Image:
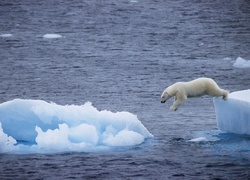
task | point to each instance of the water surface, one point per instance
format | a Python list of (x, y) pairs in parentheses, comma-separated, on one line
[(120, 55)]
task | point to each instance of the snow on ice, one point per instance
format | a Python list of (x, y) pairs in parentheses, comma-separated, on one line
[(233, 114), (38, 126)]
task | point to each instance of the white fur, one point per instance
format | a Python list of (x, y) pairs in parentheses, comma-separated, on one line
[(195, 88)]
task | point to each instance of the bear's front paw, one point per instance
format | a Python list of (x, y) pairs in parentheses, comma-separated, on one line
[(173, 108)]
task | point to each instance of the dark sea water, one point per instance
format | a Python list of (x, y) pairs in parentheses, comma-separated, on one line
[(121, 55)]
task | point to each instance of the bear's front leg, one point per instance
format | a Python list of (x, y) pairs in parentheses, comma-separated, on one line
[(173, 108), (178, 101), (176, 104)]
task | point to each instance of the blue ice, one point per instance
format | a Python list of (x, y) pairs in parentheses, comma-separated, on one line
[(39, 126), (233, 114)]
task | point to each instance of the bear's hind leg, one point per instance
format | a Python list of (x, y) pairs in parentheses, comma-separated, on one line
[(216, 91), (225, 93), (221, 92)]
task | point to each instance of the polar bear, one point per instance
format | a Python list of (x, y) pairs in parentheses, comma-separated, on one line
[(195, 88)]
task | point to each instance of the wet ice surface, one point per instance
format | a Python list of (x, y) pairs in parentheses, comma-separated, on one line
[(120, 56)]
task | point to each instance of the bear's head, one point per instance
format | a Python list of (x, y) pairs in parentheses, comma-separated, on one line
[(168, 93), (165, 96)]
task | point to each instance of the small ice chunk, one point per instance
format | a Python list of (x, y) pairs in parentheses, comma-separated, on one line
[(52, 36), (241, 63), (198, 139), (6, 35)]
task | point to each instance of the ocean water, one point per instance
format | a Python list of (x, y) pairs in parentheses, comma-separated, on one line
[(121, 55)]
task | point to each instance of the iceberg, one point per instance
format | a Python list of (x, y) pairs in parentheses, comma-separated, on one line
[(233, 114), (36, 126), (241, 63)]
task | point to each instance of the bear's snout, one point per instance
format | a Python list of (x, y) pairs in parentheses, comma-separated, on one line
[(163, 101)]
